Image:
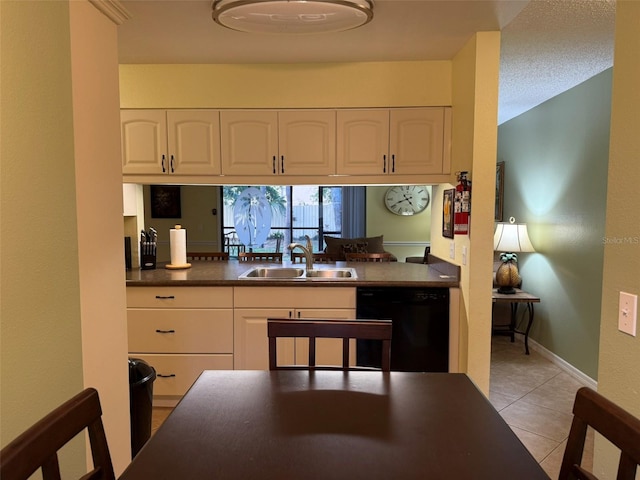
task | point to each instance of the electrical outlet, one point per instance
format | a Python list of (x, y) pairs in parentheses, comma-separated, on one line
[(628, 313), (452, 250)]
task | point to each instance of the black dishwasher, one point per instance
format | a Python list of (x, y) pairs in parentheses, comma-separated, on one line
[(420, 337)]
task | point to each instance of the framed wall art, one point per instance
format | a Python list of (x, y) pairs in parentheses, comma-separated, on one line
[(165, 201), (447, 213), (499, 191)]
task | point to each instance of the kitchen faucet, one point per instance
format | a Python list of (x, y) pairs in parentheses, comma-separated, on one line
[(307, 254)]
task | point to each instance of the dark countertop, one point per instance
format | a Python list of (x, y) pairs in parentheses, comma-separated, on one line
[(207, 273)]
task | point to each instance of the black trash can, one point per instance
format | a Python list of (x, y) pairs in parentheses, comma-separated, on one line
[(141, 377)]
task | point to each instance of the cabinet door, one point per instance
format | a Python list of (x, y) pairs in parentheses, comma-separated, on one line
[(144, 141), (416, 140), (307, 142), (328, 350), (193, 142), (250, 341), (362, 142), (249, 142)]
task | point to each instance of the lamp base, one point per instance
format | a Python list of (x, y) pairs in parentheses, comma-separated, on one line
[(507, 277)]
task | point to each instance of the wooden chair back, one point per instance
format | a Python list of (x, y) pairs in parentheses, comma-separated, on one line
[(208, 256), (622, 429), (325, 258), (264, 257), (298, 257), (368, 257), (37, 447), (322, 328)]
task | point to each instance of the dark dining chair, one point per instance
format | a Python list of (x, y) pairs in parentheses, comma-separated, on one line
[(323, 328), (298, 257), (37, 447), (264, 257), (208, 256), (368, 257), (590, 409), (325, 258)]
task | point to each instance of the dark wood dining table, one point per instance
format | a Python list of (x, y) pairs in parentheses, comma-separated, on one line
[(333, 425)]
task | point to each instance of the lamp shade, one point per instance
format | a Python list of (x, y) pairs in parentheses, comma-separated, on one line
[(512, 237)]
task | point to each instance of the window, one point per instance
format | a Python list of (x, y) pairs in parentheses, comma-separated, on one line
[(296, 211)]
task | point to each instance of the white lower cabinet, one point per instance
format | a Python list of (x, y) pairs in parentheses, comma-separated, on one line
[(254, 305), (176, 373), (180, 331)]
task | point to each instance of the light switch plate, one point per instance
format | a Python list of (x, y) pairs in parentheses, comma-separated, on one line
[(464, 255), (628, 313), (452, 250)]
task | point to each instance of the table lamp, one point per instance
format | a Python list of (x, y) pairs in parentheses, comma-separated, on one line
[(510, 238)]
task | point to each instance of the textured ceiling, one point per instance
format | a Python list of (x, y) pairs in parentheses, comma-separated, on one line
[(548, 46)]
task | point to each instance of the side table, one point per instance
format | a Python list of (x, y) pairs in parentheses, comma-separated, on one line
[(515, 299)]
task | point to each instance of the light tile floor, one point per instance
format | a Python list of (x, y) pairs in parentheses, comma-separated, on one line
[(535, 397)]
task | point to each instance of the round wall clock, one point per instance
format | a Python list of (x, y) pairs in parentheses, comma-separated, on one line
[(407, 199)]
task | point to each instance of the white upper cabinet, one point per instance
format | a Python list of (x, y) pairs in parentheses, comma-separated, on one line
[(307, 140), (295, 142), (305, 145), (363, 142), (249, 142), (174, 142), (416, 141), (402, 141), (144, 141)]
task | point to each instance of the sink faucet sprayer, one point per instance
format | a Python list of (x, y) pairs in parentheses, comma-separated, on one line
[(307, 254)]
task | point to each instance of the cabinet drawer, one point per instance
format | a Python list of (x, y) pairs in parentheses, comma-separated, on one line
[(180, 331), (176, 373), (180, 297)]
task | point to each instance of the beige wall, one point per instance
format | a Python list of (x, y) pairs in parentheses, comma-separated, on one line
[(201, 225), (41, 332), (618, 372), (62, 324), (96, 118), (390, 84), (403, 236), (475, 103)]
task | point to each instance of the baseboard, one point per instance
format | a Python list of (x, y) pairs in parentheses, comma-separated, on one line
[(564, 365)]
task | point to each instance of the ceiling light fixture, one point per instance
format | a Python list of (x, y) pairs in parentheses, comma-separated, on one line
[(292, 16)]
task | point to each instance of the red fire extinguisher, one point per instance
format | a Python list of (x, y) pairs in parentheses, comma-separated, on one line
[(462, 205)]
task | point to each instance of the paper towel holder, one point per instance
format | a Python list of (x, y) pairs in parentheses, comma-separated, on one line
[(171, 266)]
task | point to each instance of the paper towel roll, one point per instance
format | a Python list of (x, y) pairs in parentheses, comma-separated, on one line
[(178, 244)]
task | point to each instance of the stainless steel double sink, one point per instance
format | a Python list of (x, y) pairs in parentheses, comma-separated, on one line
[(293, 273)]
